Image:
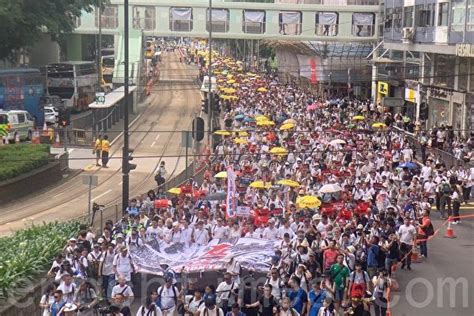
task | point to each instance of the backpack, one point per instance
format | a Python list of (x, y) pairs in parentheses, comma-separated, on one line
[(446, 189), (429, 231), (358, 289)]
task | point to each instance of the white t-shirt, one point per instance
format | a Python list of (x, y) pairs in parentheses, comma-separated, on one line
[(219, 232), (216, 311), (107, 263), (406, 234), (123, 266), (125, 291), (47, 299), (154, 311), (270, 233), (168, 295)]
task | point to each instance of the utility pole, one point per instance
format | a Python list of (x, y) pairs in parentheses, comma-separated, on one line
[(209, 74), (125, 162), (99, 53)]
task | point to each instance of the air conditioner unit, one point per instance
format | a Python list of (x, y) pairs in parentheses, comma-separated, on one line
[(408, 35)]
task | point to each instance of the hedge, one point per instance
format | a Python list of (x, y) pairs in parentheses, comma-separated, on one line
[(18, 159), (29, 252)]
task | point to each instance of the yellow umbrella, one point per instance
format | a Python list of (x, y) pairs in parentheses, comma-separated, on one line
[(175, 191), (260, 185), (222, 133), (290, 121), (309, 201), (289, 183), (278, 151), (229, 90), (379, 125), (260, 117), (231, 81), (221, 175), (229, 76), (243, 134), (241, 141), (287, 126), (265, 123), (229, 97), (358, 118), (262, 89), (251, 74)]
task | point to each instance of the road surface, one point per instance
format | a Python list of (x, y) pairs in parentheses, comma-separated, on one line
[(170, 107), (443, 284)]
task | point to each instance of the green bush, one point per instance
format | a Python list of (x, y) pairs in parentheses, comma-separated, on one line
[(30, 252), (18, 159)]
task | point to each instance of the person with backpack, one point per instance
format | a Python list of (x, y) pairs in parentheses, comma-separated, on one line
[(445, 192), (168, 296), (381, 283), (425, 230), (85, 298), (210, 309), (149, 308), (227, 292), (316, 297), (122, 296), (359, 282), (193, 302)]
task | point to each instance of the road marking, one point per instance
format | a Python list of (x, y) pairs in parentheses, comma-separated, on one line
[(89, 167), (157, 136), (153, 144), (101, 195), (58, 194)]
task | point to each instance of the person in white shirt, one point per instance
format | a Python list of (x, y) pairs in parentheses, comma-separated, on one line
[(122, 295), (149, 308), (227, 292), (168, 295), (251, 233), (270, 233), (209, 308), (122, 265), (193, 302), (186, 233), (153, 232), (200, 235), (235, 231), (220, 231), (407, 235), (106, 270), (68, 288)]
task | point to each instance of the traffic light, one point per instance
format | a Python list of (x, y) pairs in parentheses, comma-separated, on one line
[(198, 129), (129, 166), (215, 103), (64, 117), (423, 111), (204, 105)]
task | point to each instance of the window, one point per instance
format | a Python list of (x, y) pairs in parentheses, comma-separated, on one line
[(458, 15), (444, 64), (326, 23), (144, 18), (109, 17), (408, 16), (424, 15), (21, 118), (253, 22), (29, 117), (470, 16), (220, 20), (3, 119), (388, 21), (181, 19), (290, 22), (363, 24), (463, 73), (443, 10)]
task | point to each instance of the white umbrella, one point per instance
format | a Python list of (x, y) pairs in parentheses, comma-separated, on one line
[(330, 188), (337, 142)]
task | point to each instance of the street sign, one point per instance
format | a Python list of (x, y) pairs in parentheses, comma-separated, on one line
[(99, 97), (392, 102), (90, 180), (186, 139)]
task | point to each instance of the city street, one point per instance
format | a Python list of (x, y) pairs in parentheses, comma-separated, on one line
[(443, 284), (170, 108)]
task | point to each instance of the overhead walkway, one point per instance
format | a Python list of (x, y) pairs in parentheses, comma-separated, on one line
[(297, 20), (135, 57)]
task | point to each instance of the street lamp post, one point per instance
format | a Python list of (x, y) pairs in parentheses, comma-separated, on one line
[(125, 162)]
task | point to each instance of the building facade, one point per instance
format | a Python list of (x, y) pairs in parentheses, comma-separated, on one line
[(427, 61)]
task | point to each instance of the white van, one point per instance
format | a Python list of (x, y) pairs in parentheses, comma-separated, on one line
[(19, 122)]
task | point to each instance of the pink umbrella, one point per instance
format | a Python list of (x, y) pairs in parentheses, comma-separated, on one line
[(311, 107)]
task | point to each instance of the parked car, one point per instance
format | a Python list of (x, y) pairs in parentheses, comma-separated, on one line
[(19, 123), (51, 115)]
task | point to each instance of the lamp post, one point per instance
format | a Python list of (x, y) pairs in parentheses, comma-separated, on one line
[(125, 162)]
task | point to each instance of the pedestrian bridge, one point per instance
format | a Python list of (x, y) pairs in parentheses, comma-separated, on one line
[(294, 20)]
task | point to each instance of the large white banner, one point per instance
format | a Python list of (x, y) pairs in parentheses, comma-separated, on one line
[(309, 67), (252, 254)]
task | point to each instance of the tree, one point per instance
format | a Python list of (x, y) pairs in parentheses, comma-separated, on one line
[(22, 22)]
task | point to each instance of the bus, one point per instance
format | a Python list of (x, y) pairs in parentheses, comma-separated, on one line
[(108, 64), (22, 89), (75, 82)]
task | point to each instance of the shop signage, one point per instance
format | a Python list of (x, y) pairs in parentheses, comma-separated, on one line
[(383, 88), (410, 95), (465, 50)]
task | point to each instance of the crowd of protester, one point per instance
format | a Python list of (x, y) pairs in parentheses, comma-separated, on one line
[(334, 258)]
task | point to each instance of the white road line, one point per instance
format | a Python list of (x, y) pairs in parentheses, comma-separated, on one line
[(157, 136), (153, 144), (101, 195), (58, 194)]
